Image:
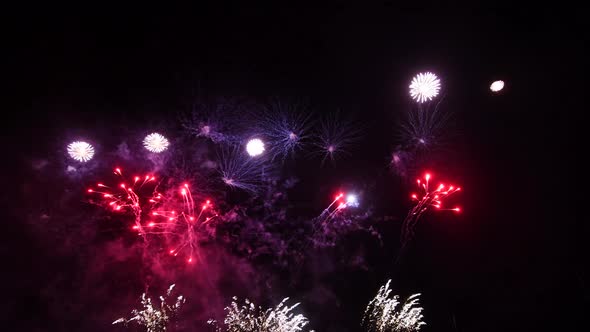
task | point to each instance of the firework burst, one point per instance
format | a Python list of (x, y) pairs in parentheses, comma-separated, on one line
[(182, 227), (255, 147), (287, 128), (424, 87), (152, 317), (155, 143), (423, 129), (250, 318), (429, 199), (80, 151), (335, 137), (240, 171), (341, 202), (130, 196), (384, 315), (497, 86)]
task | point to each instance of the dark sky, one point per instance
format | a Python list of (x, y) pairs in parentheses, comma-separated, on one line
[(513, 261)]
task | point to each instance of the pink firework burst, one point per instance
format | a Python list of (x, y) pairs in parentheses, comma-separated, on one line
[(430, 198), (137, 195), (181, 227)]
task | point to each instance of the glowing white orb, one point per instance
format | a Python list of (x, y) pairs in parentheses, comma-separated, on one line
[(424, 87), (352, 200), (255, 147), (80, 151), (497, 86), (155, 142)]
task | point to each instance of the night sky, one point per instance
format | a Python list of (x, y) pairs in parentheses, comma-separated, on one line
[(513, 260)]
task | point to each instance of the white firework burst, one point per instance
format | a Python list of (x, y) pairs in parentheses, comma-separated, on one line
[(81, 151), (424, 87), (153, 317), (155, 142), (384, 314), (497, 86), (252, 318), (255, 147)]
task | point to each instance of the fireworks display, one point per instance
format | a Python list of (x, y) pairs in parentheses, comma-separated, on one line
[(383, 313), (251, 318), (429, 199), (311, 153), (174, 222), (424, 87), (497, 86), (155, 143), (81, 151)]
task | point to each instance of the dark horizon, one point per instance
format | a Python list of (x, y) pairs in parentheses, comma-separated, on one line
[(512, 260)]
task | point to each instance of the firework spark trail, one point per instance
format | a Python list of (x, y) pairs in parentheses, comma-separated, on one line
[(182, 228), (350, 201), (126, 197), (319, 224), (327, 210), (431, 198)]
